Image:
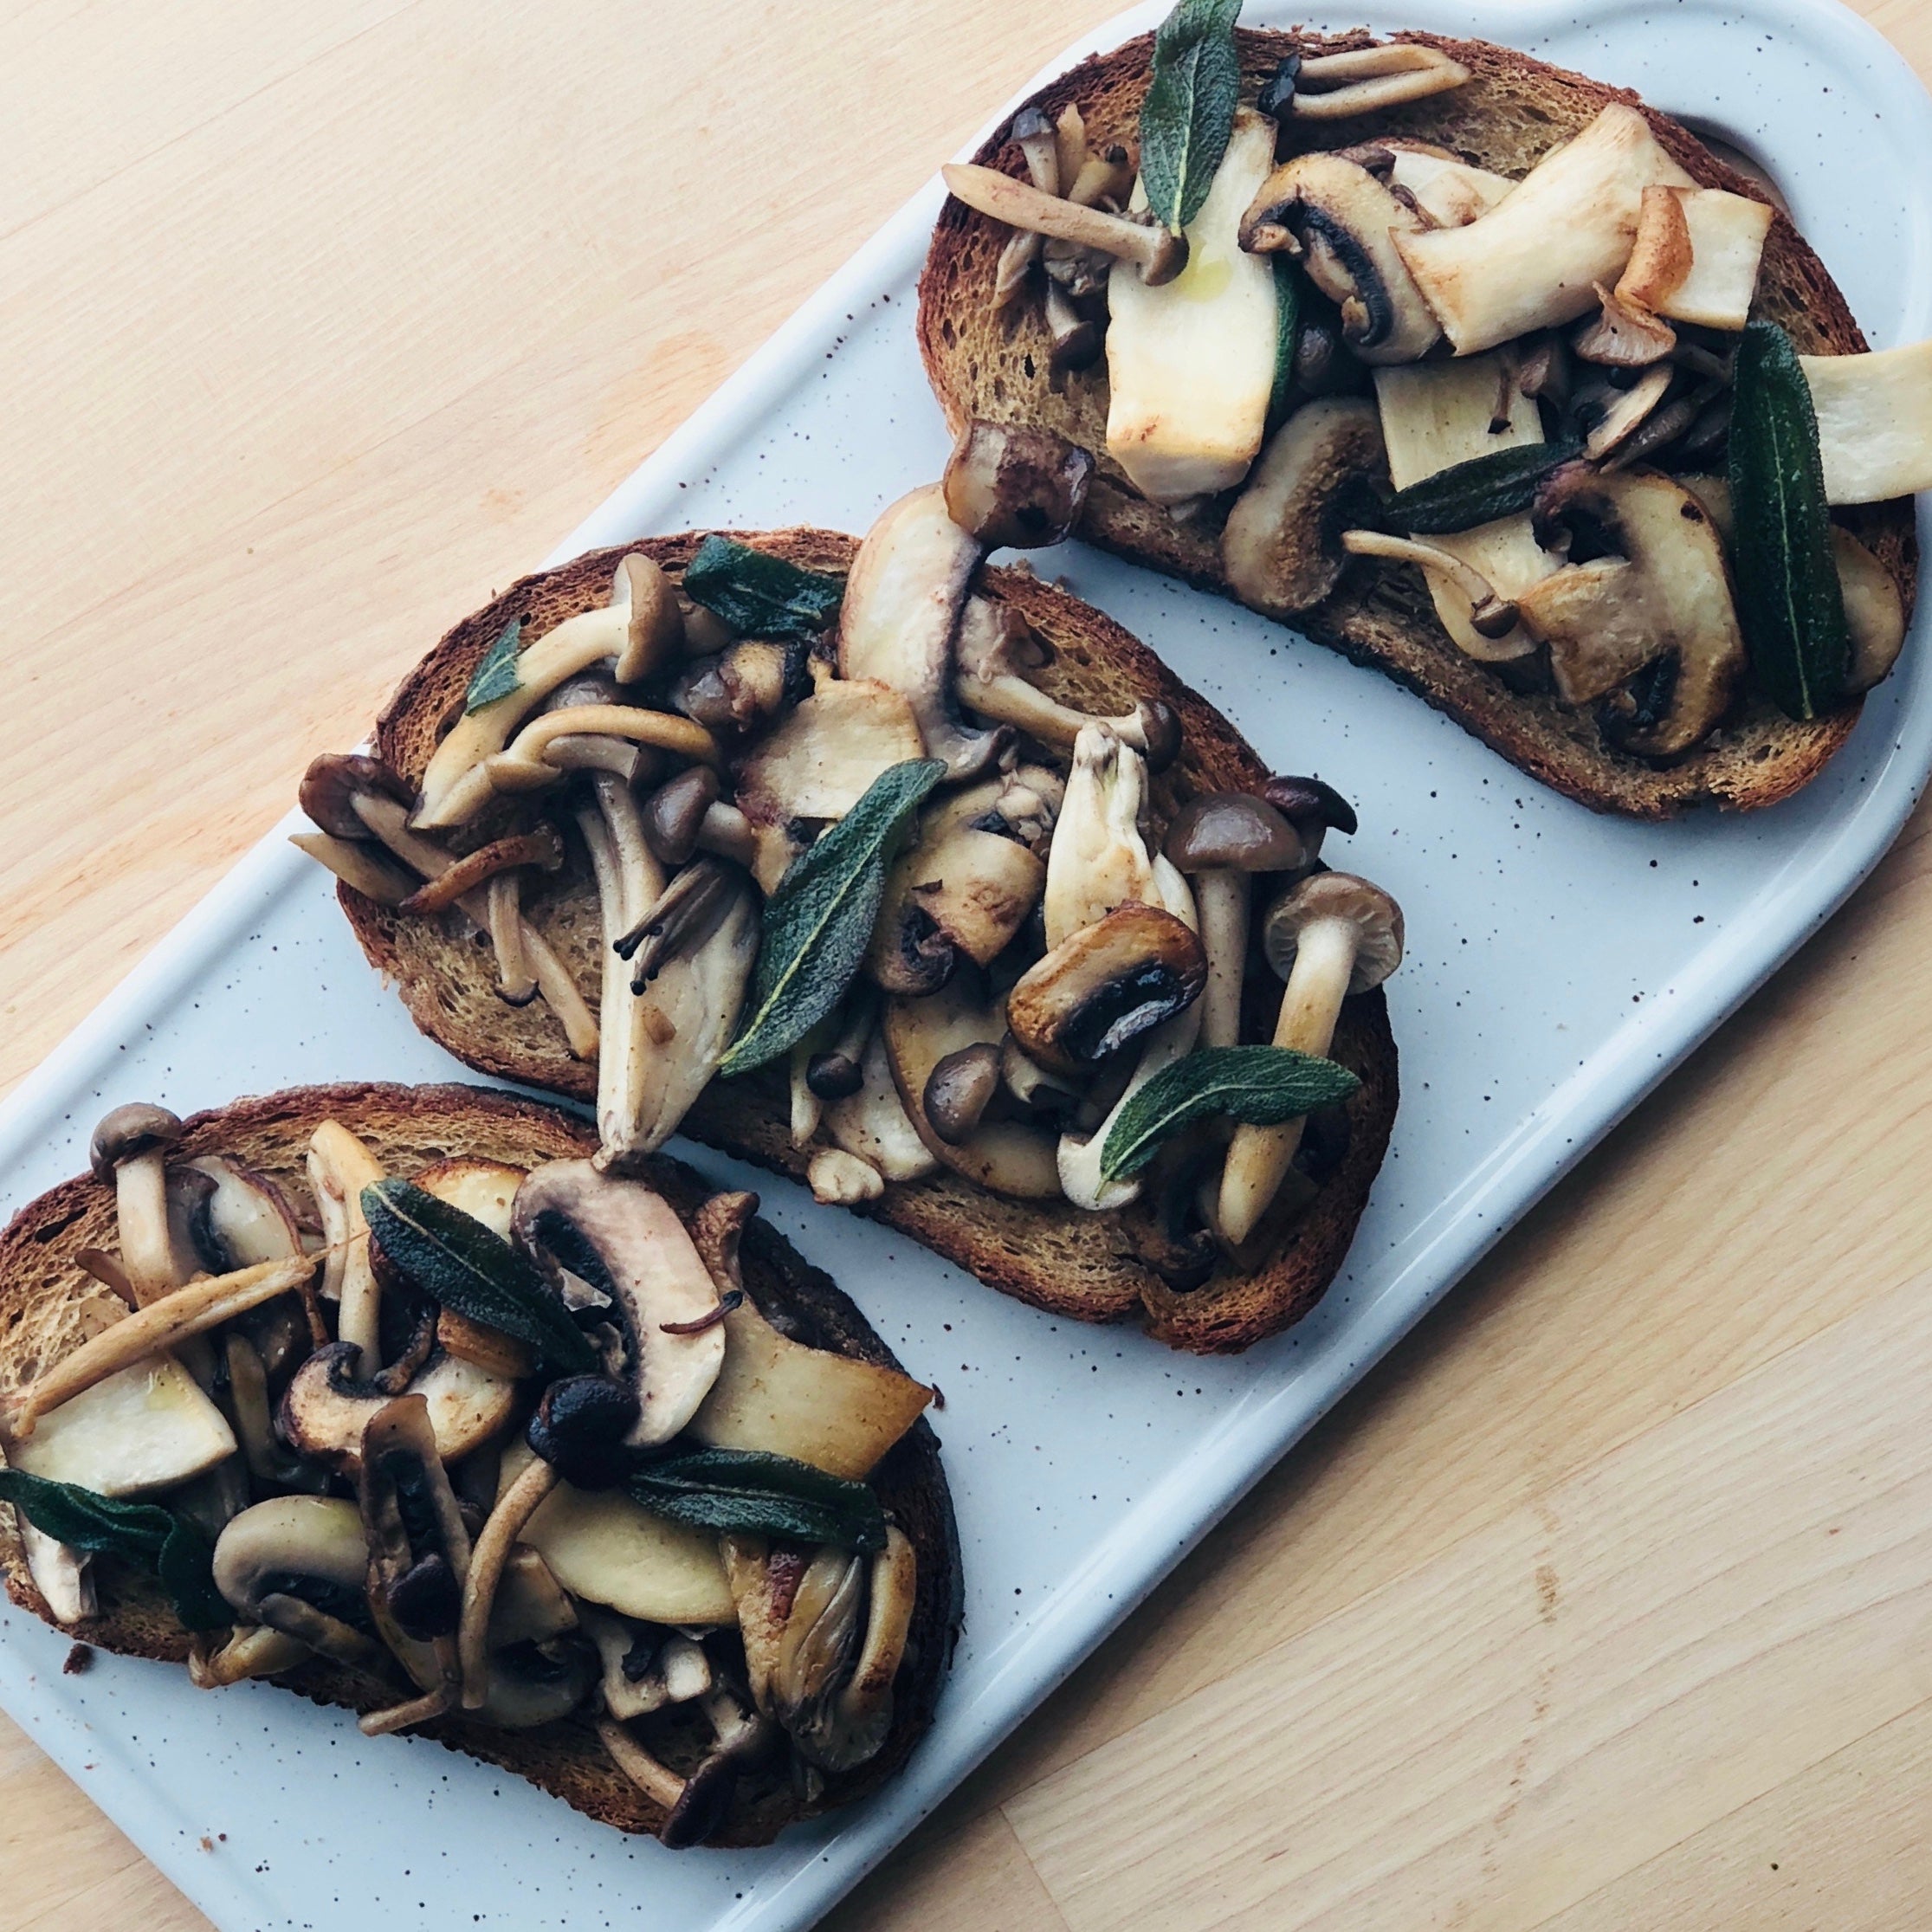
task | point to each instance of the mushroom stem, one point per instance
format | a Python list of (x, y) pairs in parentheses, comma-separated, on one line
[(523, 767), (516, 984), (159, 1326), (1009, 699), (340, 1168), (141, 1209), (1223, 896), (658, 1782), (353, 863), (254, 1650), (1159, 254), (558, 990), (540, 847), (1366, 80), (1492, 615), (437, 1702), (1259, 1157), (486, 1559)]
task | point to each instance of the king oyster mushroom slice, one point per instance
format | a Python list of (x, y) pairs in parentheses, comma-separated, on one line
[(903, 597), (1279, 545), (997, 648), (298, 1564), (1010, 486), (628, 1240), (1332, 935), (327, 1405), (1534, 261), (1343, 222), (1220, 841), (418, 1548), (1013, 1158), (1874, 422), (640, 630), (1697, 256), (1666, 594), (1191, 366), (960, 889), (1434, 416)]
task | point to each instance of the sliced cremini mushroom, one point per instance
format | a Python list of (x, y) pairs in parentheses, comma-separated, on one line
[(1008, 486), (1191, 366), (628, 1241), (1332, 935), (1874, 422), (897, 624), (1534, 261), (1280, 546), (298, 1564), (1615, 414), (1343, 222), (634, 630), (1874, 612), (645, 1667), (327, 1405), (996, 649), (1663, 592), (1220, 841), (129, 1148), (1156, 256), (1367, 79)]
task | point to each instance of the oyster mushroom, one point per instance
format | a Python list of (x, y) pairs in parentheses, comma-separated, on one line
[(1220, 841), (1343, 225), (1664, 592), (1156, 256), (1333, 935), (1098, 859), (298, 1564), (129, 1148), (1534, 261), (1623, 334), (1279, 544), (1010, 487), (902, 611)]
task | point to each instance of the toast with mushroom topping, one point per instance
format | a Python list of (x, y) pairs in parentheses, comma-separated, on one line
[(442, 1525), (1493, 262), (1072, 861)]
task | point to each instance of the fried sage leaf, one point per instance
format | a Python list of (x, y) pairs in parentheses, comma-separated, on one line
[(760, 595), (1789, 601), (752, 1493), (1188, 113), (1287, 332), (1262, 1086), (459, 1263), (1502, 483), (496, 676), (144, 1533), (819, 922)]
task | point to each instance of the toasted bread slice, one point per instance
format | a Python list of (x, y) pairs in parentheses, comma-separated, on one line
[(987, 363), (1073, 1264), (44, 1300)]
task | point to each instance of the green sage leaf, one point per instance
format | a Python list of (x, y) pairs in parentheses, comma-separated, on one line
[(1288, 333), (1789, 601), (496, 676), (819, 922), (1188, 113), (85, 1520), (1260, 1085), (1502, 483), (749, 1492), (185, 1564), (459, 1263), (759, 594)]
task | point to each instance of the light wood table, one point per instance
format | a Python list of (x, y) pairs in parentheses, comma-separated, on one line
[(1607, 1603)]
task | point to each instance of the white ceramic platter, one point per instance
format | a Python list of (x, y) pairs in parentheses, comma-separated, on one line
[(1559, 965)]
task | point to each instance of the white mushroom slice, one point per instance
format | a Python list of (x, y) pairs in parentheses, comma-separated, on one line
[(1874, 422), (64, 1576), (340, 1168), (1366, 80), (820, 761), (1533, 260), (1434, 416), (1098, 859), (1191, 365), (603, 1547), (484, 1189), (147, 1427), (325, 1409), (901, 615), (873, 1124), (1451, 193), (1697, 256), (1874, 612)]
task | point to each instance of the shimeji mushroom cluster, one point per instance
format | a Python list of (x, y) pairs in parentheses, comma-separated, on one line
[(1445, 313), (414, 1497)]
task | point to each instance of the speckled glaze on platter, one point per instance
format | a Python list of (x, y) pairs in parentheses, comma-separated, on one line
[(1559, 965)]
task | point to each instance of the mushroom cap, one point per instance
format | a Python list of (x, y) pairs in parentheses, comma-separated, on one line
[(1307, 802), (136, 1128), (1328, 895), (1008, 486), (655, 636), (307, 1536), (675, 813), (1160, 730), (960, 1090), (333, 781), (1232, 832)]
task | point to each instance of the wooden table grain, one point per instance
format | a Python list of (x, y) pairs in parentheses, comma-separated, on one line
[(1605, 1604)]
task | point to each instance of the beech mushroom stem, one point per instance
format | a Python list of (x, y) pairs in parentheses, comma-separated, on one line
[(658, 1782), (1492, 615), (491, 1551), (1223, 896), (516, 984), (1259, 1157), (1160, 254)]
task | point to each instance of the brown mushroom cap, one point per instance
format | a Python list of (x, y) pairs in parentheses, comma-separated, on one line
[(960, 1090), (1015, 488), (1309, 804), (1328, 895), (334, 781), (1233, 831), (674, 816), (136, 1128)]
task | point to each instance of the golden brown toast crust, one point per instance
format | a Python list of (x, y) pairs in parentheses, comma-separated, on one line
[(44, 1298), (983, 365), (1071, 1264)]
